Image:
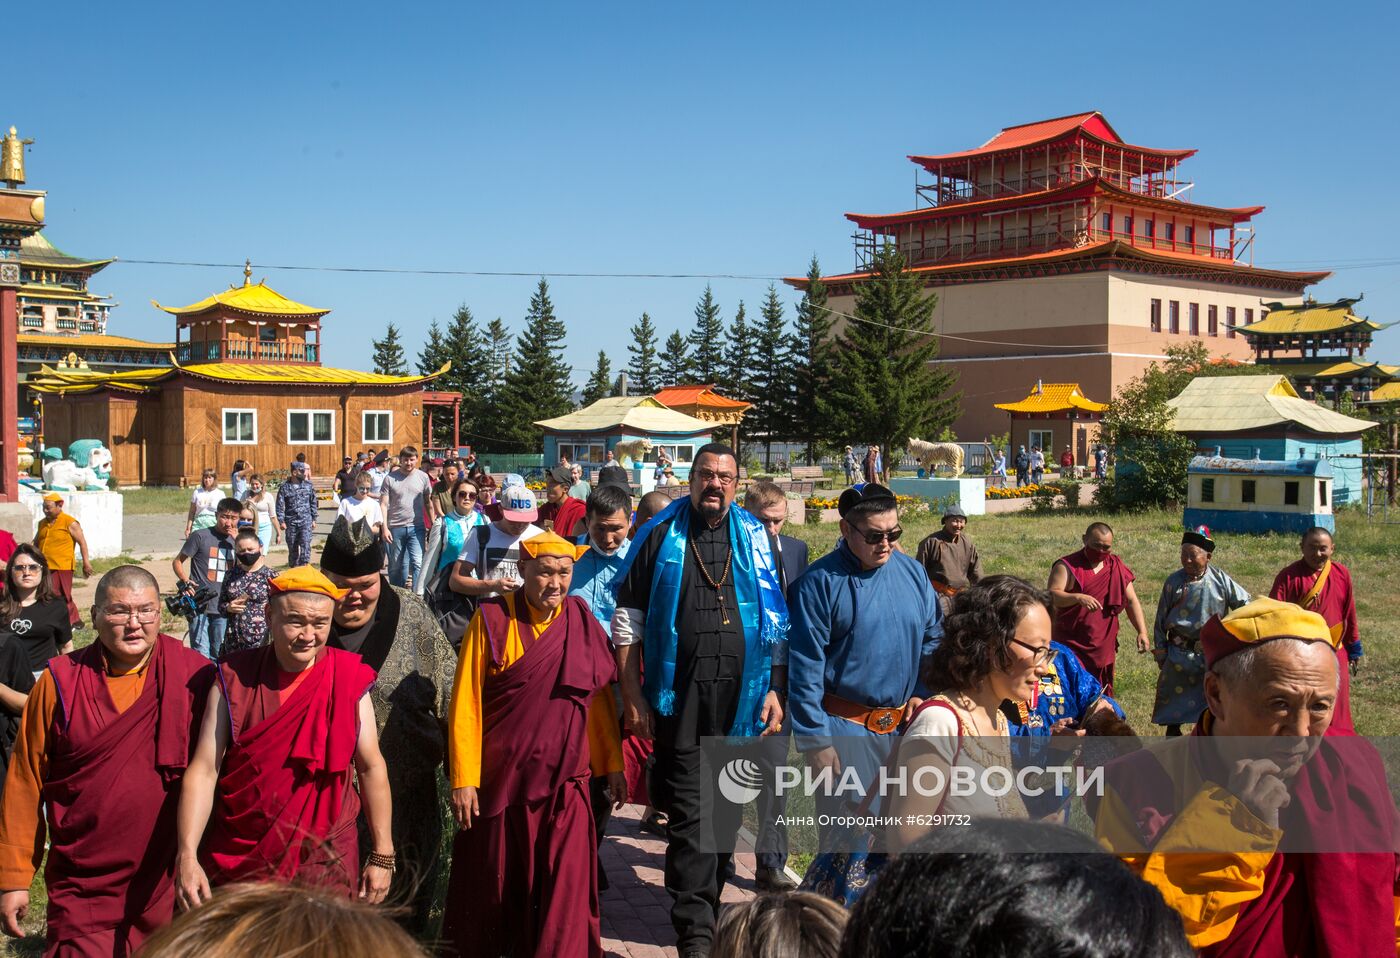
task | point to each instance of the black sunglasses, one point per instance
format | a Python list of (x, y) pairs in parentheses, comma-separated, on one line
[(875, 538)]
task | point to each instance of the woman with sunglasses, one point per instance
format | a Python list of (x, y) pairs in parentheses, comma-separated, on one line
[(34, 628), (449, 535), (995, 648)]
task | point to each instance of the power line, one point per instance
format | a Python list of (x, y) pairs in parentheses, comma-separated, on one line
[(422, 271)]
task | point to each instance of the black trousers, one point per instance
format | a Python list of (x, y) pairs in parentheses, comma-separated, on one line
[(771, 845)]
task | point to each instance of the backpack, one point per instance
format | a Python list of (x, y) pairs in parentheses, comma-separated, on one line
[(453, 610)]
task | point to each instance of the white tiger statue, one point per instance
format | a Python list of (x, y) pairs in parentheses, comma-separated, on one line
[(931, 455), (632, 452)]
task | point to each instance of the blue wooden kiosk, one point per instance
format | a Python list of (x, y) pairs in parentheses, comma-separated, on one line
[(1259, 495)]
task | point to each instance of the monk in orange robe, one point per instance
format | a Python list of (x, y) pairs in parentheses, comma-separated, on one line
[(104, 742)]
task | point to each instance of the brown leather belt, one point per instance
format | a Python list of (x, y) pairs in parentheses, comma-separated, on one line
[(943, 588), (878, 720)]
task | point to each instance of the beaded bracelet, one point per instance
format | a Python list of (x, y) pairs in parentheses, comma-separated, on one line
[(390, 862)]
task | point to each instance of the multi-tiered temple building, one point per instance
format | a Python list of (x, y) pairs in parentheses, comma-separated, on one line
[(1322, 348), (1061, 253)]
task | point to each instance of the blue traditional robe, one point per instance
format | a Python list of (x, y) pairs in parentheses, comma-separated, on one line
[(862, 636), (1066, 691), (1182, 611)]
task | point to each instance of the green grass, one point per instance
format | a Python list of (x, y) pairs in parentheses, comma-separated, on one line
[(155, 501)]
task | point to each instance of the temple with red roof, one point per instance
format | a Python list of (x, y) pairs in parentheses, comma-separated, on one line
[(1060, 252)]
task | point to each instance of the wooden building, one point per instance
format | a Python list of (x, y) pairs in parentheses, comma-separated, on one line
[(703, 402), (245, 382), (1053, 416)]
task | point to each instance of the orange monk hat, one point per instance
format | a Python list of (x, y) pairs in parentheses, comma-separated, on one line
[(305, 578), (52, 497), (551, 544), (1262, 620)]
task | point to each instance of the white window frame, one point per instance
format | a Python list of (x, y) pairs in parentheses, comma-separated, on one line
[(223, 422), (364, 423), (310, 427), (1031, 443)]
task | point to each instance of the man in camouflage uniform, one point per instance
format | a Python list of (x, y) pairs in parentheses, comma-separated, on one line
[(296, 514)]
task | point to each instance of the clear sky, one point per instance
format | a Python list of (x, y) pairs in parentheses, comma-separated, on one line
[(702, 138)]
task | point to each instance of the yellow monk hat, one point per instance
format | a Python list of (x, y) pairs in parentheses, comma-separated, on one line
[(1261, 621), (305, 578), (551, 544), (52, 497)]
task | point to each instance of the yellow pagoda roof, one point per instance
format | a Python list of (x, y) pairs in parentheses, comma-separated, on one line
[(50, 380), (257, 298), (1054, 397), (1310, 317), (1389, 392), (1334, 368), (139, 380), (92, 340)]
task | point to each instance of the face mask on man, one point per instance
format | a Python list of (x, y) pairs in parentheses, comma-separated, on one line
[(1097, 554)]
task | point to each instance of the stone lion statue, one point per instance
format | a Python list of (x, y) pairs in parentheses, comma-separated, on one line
[(87, 468), (632, 452), (931, 455)]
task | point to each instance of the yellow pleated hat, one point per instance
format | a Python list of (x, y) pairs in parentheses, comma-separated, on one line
[(1261, 621), (305, 578), (551, 544)]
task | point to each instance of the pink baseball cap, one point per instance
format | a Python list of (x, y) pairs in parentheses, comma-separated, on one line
[(518, 505)]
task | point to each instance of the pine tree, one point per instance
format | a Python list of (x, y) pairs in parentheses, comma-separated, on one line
[(600, 384), (465, 346), (643, 370), (434, 351), (738, 357), (707, 340), (811, 365), (675, 361), (486, 419), (770, 383), (388, 354), (883, 387), (539, 383)]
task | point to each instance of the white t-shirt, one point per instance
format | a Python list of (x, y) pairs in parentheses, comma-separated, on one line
[(206, 501), (940, 726), (502, 551), (355, 510)]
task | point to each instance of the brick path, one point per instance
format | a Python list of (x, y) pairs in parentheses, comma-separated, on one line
[(636, 909)]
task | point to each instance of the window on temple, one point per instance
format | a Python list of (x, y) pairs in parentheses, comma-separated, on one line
[(1193, 314), (677, 454), (311, 427), (1247, 490), (1149, 228), (1188, 234), (1212, 321), (1248, 316), (1290, 493), (1042, 439), (1207, 490), (1156, 316), (1173, 317), (1322, 492), (378, 425), (1169, 232), (267, 334), (1106, 222), (589, 452), (240, 427), (1127, 226), (1229, 322)]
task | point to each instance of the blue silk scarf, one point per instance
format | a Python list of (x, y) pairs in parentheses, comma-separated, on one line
[(762, 611)]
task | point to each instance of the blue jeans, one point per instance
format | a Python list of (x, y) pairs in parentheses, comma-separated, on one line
[(405, 554), (207, 634)]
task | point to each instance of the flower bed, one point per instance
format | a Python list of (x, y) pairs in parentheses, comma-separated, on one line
[(1012, 492), (823, 508)]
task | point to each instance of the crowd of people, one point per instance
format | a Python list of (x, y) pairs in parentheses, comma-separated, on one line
[(550, 661)]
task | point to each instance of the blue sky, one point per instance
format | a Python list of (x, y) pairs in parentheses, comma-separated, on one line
[(707, 138)]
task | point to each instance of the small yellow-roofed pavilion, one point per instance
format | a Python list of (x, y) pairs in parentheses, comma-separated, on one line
[(1054, 417)]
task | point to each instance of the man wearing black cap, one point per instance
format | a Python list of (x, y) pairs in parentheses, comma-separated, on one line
[(863, 619), (560, 511), (396, 635), (1190, 596), (700, 599), (950, 558)]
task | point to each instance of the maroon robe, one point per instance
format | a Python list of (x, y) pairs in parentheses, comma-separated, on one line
[(1093, 634), (525, 874), (285, 807), (111, 789), (1337, 604)]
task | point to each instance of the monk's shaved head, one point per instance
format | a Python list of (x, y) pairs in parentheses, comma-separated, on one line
[(124, 578)]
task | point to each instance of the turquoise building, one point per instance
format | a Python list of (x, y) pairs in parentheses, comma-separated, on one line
[(1263, 417), (588, 435), (1259, 495)]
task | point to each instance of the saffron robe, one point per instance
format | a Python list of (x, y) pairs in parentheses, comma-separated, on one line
[(99, 761), (1093, 634), (1337, 604), (1244, 889), (285, 807), (524, 875)]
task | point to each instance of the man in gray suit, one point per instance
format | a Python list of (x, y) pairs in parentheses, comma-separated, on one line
[(768, 504)]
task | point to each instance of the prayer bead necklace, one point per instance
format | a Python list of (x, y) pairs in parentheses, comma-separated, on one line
[(717, 586)]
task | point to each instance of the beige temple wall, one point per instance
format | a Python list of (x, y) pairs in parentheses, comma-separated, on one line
[(1089, 328)]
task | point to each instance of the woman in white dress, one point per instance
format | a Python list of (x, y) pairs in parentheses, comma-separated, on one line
[(995, 648), (264, 506), (204, 503)]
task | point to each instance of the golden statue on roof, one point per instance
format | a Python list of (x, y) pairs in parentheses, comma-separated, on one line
[(12, 158)]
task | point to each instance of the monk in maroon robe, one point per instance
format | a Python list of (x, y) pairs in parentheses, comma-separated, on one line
[(1320, 585), (104, 742), (1090, 589), (286, 726), (524, 864)]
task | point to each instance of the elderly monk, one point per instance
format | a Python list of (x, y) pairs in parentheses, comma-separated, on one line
[(392, 630), (524, 865), (1090, 589), (1321, 585), (103, 744), (950, 558), (1270, 840), (1190, 596), (285, 727)]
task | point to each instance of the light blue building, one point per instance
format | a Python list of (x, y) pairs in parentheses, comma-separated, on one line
[(1262, 417), (1259, 495), (618, 425)]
